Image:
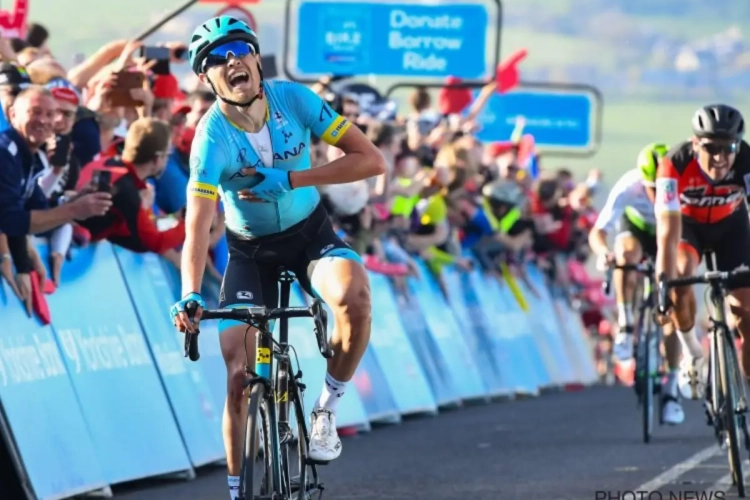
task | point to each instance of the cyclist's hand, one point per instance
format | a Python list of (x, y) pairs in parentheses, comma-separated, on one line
[(180, 317), (275, 184), (604, 260)]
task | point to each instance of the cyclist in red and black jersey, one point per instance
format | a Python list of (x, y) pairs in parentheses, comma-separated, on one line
[(701, 188)]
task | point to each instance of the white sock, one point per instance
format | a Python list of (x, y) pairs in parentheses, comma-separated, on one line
[(624, 314), (670, 387), (691, 348), (234, 487), (332, 392)]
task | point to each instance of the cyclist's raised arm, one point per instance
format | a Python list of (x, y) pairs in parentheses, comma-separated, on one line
[(207, 161), (361, 160), (612, 211), (668, 218)]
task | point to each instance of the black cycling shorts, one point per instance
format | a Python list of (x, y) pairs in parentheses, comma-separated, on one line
[(644, 238), (729, 238), (251, 277)]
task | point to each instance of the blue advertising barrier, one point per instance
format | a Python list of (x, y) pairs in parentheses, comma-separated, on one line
[(397, 39), (500, 334), (515, 330), (546, 322), (558, 119), (405, 378), (42, 409), (526, 337), (198, 418), (113, 373), (465, 305), (350, 411), (211, 364), (435, 366), (446, 333), (579, 351)]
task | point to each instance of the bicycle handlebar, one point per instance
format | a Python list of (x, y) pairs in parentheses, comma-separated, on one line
[(260, 314), (707, 278), (643, 267)]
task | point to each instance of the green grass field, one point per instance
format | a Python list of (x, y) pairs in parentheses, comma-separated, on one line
[(81, 26)]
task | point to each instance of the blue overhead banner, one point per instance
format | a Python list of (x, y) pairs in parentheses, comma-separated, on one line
[(394, 39), (558, 119)]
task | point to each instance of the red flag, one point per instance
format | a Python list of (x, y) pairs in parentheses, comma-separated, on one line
[(13, 24), (453, 100), (38, 300), (507, 75)]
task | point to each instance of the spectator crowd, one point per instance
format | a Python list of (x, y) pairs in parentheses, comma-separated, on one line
[(100, 152)]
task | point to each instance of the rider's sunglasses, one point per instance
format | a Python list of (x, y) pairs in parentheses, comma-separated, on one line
[(715, 148), (221, 54)]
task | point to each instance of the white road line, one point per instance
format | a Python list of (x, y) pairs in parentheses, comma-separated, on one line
[(679, 469)]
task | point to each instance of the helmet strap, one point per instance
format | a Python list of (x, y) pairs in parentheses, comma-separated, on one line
[(247, 104)]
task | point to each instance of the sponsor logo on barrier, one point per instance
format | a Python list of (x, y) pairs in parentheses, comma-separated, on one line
[(29, 363), (99, 349)]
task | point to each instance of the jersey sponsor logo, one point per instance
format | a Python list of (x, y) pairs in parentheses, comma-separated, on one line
[(294, 152), (196, 169), (245, 295), (336, 130), (239, 175), (202, 190), (720, 196), (666, 191)]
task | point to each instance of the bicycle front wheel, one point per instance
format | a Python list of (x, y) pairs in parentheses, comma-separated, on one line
[(727, 374), (648, 375), (256, 478)]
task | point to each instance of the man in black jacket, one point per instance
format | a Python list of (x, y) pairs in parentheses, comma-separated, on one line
[(24, 208)]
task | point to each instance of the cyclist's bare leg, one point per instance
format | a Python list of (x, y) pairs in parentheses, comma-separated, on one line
[(683, 297), (739, 305), (627, 251), (343, 284), (232, 342), (344, 287), (690, 379)]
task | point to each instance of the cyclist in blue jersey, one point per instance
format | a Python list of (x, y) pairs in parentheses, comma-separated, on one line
[(253, 148)]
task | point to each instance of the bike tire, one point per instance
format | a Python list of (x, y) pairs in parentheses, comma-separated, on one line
[(257, 413), (648, 382), (727, 368)]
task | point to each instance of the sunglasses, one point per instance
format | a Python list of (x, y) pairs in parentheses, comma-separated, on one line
[(221, 54), (714, 148)]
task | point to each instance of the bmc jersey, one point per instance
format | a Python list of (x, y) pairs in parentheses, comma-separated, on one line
[(627, 198), (681, 186), (220, 150)]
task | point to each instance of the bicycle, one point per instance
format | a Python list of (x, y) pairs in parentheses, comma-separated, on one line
[(725, 398), (269, 398), (648, 362)]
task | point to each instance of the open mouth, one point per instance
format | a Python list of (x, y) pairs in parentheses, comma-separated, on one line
[(238, 79)]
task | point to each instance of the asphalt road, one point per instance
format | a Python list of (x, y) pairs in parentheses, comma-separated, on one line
[(560, 446)]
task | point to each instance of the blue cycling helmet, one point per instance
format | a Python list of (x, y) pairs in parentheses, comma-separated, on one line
[(215, 32)]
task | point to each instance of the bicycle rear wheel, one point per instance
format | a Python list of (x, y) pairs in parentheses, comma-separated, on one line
[(732, 421), (256, 477)]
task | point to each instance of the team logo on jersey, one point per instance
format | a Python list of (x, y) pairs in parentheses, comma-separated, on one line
[(289, 154), (719, 196), (666, 191)]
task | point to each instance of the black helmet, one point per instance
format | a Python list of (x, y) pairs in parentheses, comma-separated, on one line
[(719, 121)]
